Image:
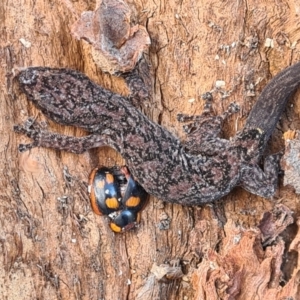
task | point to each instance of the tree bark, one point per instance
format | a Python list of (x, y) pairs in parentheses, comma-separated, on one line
[(54, 247)]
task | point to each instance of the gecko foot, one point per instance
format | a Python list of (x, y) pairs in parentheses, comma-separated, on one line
[(232, 109), (25, 147), (262, 182), (32, 131)]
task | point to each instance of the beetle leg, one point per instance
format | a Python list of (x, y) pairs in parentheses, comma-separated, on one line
[(125, 172)]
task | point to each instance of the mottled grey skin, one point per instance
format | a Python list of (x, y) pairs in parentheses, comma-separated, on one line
[(201, 170)]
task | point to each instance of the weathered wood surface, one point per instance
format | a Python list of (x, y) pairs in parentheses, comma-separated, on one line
[(54, 247)]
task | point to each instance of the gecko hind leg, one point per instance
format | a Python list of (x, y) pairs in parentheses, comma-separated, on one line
[(207, 118), (58, 141), (203, 132), (259, 182)]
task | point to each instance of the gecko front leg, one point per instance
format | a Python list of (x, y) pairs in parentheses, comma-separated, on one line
[(203, 132), (42, 138), (139, 83)]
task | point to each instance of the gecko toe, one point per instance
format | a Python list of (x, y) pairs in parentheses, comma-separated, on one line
[(25, 147)]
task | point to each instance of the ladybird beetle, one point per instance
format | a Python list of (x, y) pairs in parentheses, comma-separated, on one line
[(104, 191), (135, 197), (114, 192), (126, 220)]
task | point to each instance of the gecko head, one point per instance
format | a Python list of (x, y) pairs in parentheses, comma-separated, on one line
[(29, 80), (28, 77)]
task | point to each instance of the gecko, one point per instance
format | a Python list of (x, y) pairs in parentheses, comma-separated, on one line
[(199, 170)]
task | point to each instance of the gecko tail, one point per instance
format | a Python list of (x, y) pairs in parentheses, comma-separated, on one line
[(273, 99)]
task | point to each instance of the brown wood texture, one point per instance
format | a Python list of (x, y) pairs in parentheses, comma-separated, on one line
[(52, 246)]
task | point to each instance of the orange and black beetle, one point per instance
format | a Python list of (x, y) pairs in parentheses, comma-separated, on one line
[(135, 197), (104, 190), (114, 189), (126, 220)]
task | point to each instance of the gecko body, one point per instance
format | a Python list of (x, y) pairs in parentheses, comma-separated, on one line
[(200, 170)]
